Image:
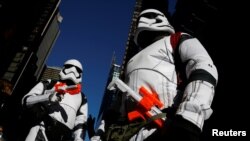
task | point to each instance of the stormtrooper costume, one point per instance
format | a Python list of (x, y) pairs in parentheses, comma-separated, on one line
[(154, 68), (66, 109)]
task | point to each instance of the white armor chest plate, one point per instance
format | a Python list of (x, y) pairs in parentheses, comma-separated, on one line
[(153, 68), (70, 104)]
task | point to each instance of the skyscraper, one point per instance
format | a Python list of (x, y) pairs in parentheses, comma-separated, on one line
[(110, 99), (28, 30)]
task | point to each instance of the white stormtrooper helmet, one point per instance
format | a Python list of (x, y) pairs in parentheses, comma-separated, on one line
[(72, 71), (152, 20)]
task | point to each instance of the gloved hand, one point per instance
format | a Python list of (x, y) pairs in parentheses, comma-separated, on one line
[(55, 97)]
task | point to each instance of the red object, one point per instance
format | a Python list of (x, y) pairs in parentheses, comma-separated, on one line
[(62, 88), (144, 106)]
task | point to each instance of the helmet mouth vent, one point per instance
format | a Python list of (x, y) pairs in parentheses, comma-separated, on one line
[(146, 37), (150, 15)]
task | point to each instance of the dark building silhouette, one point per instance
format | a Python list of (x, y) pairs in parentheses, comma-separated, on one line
[(111, 98), (28, 30)]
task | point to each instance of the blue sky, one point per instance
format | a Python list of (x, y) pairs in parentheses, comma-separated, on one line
[(91, 31)]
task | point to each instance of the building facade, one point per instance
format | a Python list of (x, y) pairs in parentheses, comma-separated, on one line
[(28, 31), (51, 73)]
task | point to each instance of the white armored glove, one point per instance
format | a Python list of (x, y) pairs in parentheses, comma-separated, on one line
[(55, 97), (48, 96)]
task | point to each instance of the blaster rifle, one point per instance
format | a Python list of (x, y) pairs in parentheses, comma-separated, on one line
[(62, 88), (148, 104)]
